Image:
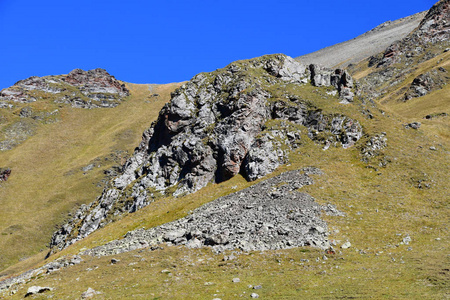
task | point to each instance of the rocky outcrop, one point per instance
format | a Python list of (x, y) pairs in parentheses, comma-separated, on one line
[(433, 29), (427, 82), (271, 215), (4, 174), (244, 119), (338, 78), (400, 59), (84, 89)]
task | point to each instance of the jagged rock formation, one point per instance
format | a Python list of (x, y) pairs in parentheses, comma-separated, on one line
[(216, 126), (80, 89), (84, 89), (338, 78), (427, 82), (433, 29), (430, 39), (4, 174), (272, 214)]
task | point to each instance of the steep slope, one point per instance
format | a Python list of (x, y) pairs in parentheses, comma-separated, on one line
[(244, 119), (66, 162), (411, 77), (365, 45)]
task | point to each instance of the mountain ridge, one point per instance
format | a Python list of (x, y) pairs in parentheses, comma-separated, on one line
[(365, 45)]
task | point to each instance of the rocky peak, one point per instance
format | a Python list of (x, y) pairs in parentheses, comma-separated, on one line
[(245, 118), (84, 89), (435, 27), (96, 81)]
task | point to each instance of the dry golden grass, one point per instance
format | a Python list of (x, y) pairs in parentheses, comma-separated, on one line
[(382, 206), (40, 193)]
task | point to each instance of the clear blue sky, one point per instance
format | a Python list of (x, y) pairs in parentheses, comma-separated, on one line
[(171, 41)]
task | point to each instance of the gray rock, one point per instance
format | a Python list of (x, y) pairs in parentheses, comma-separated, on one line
[(406, 240), (254, 295), (94, 89), (4, 174), (89, 293), (213, 128), (33, 290), (236, 280), (426, 83), (338, 78), (267, 216), (346, 245), (413, 125)]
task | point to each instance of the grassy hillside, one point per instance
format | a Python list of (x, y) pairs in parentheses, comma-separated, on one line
[(48, 179), (383, 206)]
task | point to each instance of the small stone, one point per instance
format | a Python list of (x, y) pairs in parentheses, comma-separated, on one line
[(433, 148), (89, 293), (438, 239), (257, 287), (236, 280), (114, 261), (406, 240), (229, 257), (254, 295), (346, 245)]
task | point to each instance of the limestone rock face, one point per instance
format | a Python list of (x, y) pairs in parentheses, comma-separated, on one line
[(84, 89), (338, 78), (216, 126)]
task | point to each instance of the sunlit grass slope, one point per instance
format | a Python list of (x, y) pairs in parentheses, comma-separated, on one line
[(382, 206), (47, 179)]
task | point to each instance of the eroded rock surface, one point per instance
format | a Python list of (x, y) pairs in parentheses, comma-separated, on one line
[(338, 78), (427, 82), (84, 89), (240, 119), (272, 214)]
